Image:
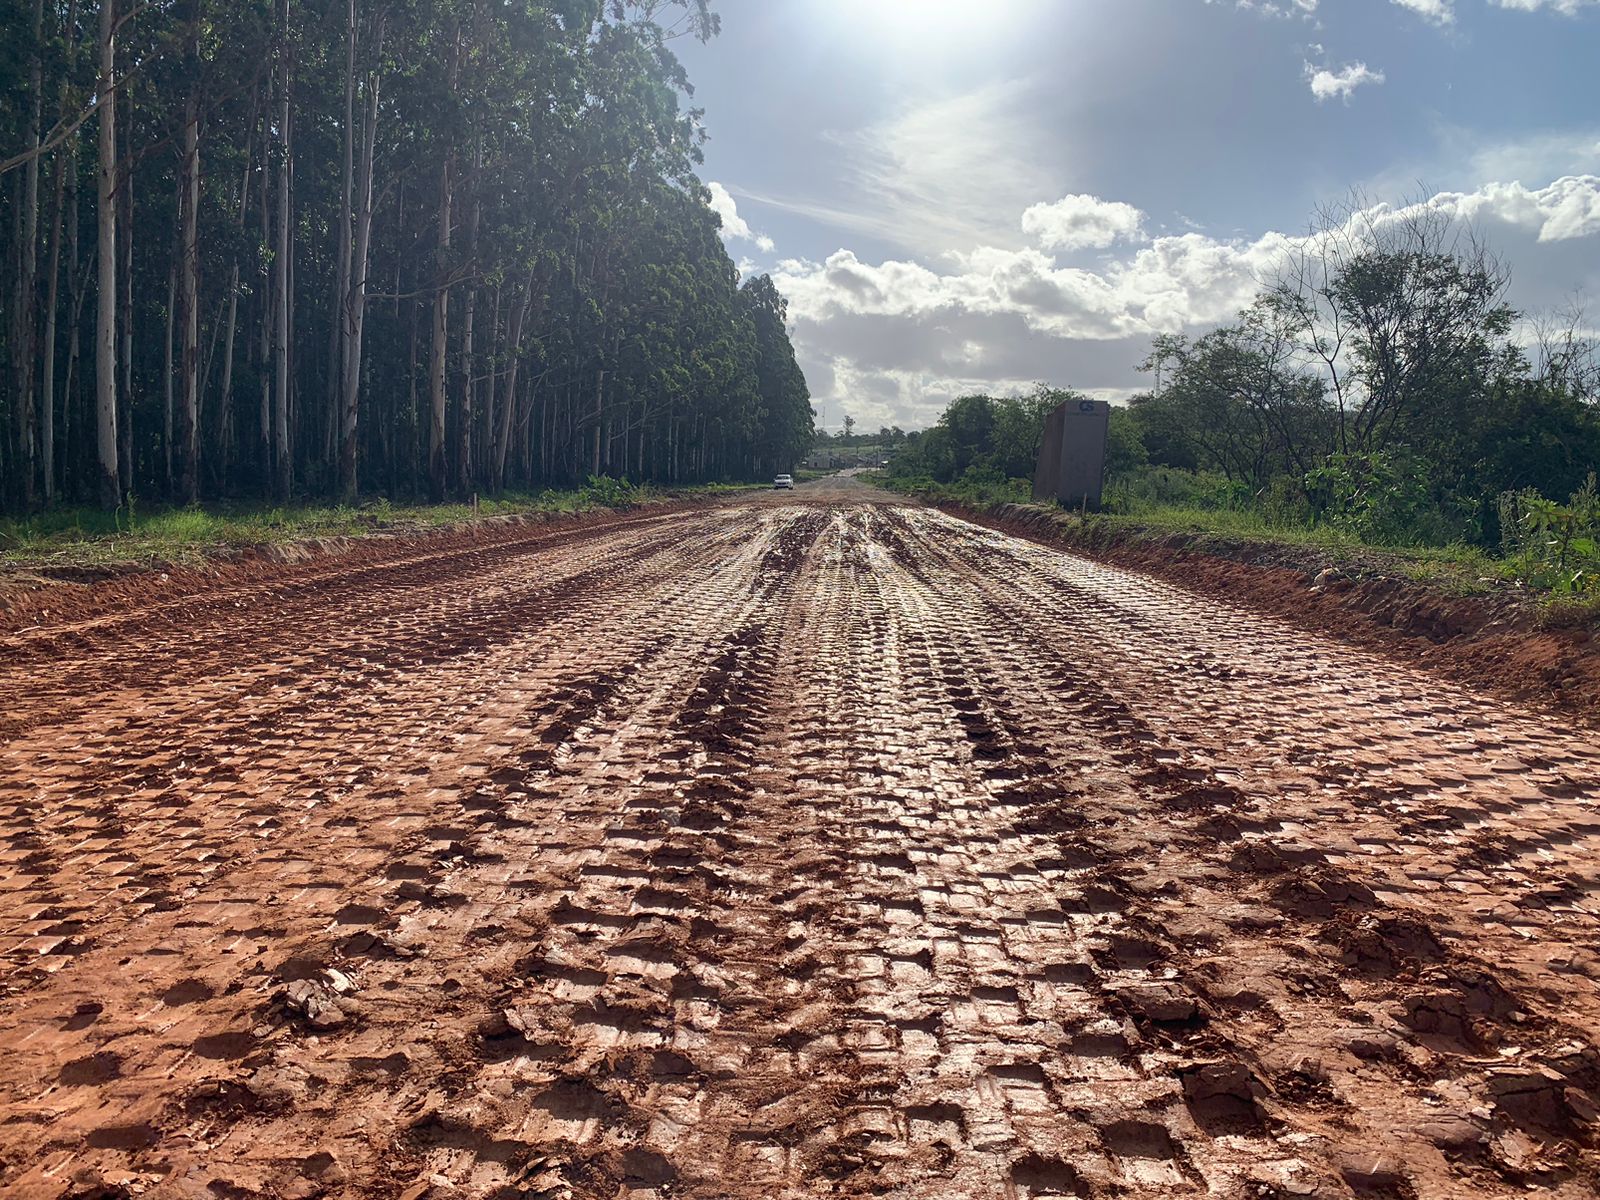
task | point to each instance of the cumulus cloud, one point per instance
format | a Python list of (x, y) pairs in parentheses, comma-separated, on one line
[(1564, 211), (893, 341), (1326, 84), (1440, 12), (1083, 223), (734, 227)]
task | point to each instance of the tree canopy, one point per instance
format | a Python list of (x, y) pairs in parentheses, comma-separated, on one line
[(334, 246)]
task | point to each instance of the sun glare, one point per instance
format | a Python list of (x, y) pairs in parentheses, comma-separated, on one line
[(925, 24)]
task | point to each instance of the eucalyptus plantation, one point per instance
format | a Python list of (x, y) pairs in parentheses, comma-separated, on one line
[(334, 247)]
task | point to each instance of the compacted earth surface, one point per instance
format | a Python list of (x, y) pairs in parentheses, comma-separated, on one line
[(806, 845)]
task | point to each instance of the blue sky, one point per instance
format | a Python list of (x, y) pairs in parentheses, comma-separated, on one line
[(961, 195)]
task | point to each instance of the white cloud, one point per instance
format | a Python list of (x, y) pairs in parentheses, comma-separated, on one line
[(893, 341), (1326, 84), (1083, 223), (1536, 156), (1567, 8), (1440, 12), (1564, 211), (735, 227), (1277, 8)]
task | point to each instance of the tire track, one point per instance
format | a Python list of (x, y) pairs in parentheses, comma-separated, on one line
[(813, 847)]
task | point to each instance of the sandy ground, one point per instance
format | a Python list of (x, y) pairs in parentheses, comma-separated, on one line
[(811, 845)]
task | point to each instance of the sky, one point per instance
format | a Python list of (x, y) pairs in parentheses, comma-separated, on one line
[(977, 195)]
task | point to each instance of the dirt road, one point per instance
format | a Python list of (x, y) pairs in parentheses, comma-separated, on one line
[(807, 846)]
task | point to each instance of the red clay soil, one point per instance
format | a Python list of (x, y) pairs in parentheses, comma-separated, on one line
[(803, 846), (58, 595), (1497, 642)]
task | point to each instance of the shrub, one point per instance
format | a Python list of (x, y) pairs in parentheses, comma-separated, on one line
[(1150, 488), (1385, 498), (1550, 545), (602, 491)]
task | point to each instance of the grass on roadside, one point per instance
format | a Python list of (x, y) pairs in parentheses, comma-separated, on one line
[(87, 537), (1458, 569)]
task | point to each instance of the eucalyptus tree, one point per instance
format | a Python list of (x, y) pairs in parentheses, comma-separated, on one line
[(427, 245)]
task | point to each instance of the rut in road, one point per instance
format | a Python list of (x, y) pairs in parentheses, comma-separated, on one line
[(817, 847)]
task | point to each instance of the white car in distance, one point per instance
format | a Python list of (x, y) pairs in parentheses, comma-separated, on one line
[(783, 482)]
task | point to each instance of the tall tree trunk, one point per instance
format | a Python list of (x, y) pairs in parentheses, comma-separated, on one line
[(441, 310), (341, 279), (282, 466), (47, 346), (166, 377), (225, 407), (66, 164), (189, 281), (78, 289), (125, 234), (413, 420), (25, 321), (105, 345), (269, 311), (599, 401), (354, 308), (436, 360), (465, 476), (508, 404)]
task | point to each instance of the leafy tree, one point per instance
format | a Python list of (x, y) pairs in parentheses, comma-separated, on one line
[(997, 438), (1234, 401), (352, 244)]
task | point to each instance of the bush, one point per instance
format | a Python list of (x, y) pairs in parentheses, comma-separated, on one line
[(1386, 499), (1147, 489), (977, 486), (602, 491), (1550, 545)]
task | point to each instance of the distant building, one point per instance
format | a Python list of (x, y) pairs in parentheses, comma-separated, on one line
[(821, 460)]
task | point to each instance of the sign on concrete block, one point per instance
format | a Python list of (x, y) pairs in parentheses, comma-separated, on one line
[(1072, 461)]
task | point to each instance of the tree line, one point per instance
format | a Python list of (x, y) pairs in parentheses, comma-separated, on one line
[(280, 247), (1379, 381), (982, 442)]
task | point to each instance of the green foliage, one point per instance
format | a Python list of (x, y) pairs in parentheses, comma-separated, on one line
[(1233, 401), (601, 491), (1125, 448), (1376, 391), (1385, 498), (1149, 489), (998, 437), (1551, 545), (977, 488), (611, 333), (89, 536)]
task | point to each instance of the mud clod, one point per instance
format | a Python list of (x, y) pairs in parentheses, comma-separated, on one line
[(810, 845)]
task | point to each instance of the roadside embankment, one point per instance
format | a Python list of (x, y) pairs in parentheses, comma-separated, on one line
[(1488, 633), (92, 578)]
